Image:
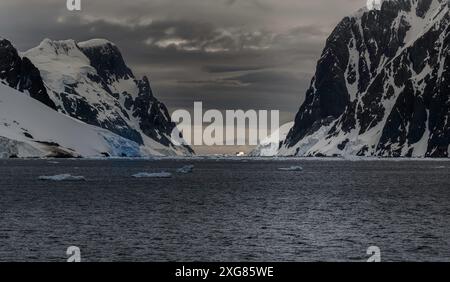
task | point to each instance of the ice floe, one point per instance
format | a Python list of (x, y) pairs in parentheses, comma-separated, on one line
[(153, 175), (62, 177), (292, 168), (186, 169)]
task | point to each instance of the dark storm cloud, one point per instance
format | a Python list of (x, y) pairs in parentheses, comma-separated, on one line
[(271, 81), (252, 90), (229, 54)]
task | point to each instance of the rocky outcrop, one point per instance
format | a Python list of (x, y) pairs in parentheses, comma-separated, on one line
[(19, 73)]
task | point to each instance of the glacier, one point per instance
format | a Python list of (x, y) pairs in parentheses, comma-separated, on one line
[(30, 129)]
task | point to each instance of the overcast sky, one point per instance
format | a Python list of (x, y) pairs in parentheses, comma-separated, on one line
[(230, 54)]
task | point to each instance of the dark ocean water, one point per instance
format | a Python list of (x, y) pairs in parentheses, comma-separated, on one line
[(226, 210)]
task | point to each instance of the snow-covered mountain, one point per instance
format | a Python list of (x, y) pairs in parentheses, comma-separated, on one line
[(89, 81), (382, 86)]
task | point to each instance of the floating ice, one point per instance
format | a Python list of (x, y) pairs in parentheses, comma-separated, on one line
[(62, 177), (186, 169), (153, 175), (292, 168)]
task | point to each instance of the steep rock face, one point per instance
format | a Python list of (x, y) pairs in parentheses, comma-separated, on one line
[(21, 74), (106, 58), (91, 82), (381, 87), (152, 115)]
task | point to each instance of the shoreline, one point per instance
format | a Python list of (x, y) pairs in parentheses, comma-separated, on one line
[(233, 158)]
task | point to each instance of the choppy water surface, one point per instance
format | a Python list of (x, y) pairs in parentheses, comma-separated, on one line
[(226, 210)]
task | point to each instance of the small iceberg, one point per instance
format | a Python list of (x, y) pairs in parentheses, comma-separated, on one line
[(292, 168), (62, 177), (153, 175), (186, 169)]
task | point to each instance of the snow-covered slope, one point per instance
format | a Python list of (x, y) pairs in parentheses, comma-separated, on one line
[(270, 146), (382, 86), (90, 81), (28, 128)]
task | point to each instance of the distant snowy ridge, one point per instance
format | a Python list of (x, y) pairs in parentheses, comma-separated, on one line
[(269, 147), (382, 86)]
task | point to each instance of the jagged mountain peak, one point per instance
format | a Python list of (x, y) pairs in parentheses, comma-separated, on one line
[(107, 59), (5, 42), (418, 6), (100, 54), (19, 73), (96, 43), (381, 86), (58, 47)]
